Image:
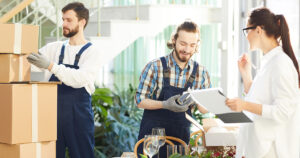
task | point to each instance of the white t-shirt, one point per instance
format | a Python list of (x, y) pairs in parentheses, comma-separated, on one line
[(89, 65), (276, 87)]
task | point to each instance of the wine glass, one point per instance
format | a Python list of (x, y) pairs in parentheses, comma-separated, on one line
[(160, 132), (177, 149), (171, 149), (150, 145)]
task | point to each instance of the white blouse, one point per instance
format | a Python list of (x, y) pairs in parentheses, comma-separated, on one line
[(276, 87)]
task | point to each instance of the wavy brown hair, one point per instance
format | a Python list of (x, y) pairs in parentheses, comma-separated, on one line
[(187, 26)]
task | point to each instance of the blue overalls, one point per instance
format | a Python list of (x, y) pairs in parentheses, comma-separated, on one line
[(75, 120), (175, 124)]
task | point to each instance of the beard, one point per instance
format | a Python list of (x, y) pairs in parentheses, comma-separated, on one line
[(183, 59), (71, 32)]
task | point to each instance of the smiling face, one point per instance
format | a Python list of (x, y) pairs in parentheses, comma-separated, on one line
[(185, 45), (71, 23)]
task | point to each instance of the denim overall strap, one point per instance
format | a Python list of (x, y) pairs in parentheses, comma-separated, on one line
[(193, 76), (80, 52), (62, 54), (166, 72)]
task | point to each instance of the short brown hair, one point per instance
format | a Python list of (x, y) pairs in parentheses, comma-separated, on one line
[(79, 9), (188, 26)]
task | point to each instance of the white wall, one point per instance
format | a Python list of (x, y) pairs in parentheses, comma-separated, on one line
[(290, 10)]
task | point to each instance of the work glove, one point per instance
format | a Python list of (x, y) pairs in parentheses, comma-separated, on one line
[(171, 104), (38, 60)]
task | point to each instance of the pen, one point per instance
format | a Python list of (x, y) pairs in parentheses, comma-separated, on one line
[(253, 66), (222, 93)]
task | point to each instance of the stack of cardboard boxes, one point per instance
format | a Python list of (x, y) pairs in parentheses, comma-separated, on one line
[(28, 110)]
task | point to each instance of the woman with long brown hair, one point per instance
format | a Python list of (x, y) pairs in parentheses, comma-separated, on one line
[(272, 97)]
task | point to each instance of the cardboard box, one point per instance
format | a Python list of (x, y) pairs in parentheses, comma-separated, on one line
[(19, 38), (14, 68), (219, 134), (128, 154), (31, 150), (28, 112)]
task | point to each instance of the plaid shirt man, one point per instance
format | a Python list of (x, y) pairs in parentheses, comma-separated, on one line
[(151, 79)]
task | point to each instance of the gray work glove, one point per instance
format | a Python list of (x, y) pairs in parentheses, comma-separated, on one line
[(38, 60), (171, 104)]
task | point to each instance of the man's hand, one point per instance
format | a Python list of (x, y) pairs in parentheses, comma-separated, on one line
[(38, 60), (171, 104)]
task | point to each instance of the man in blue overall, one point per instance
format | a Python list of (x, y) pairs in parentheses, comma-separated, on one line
[(75, 63), (164, 79)]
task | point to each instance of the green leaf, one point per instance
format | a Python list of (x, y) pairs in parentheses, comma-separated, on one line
[(143, 156), (117, 118)]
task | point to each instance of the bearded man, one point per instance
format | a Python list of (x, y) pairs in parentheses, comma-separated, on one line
[(74, 62), (164, 79)]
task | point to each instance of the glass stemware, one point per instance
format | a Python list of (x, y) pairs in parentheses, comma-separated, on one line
[(150, 145), (160, 132)]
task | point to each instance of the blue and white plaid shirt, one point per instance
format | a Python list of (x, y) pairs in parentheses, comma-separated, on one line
[(151, 79)]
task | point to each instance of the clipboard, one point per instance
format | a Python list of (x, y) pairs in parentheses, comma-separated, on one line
[(213, 99)]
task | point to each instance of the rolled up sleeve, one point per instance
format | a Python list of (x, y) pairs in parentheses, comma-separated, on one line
[(147, 83)]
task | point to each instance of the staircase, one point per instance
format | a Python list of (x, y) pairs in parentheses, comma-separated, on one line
[(119, 27), (13, 10), (118, 34)]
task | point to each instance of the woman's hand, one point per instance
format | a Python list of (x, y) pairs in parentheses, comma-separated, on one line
[(244, 64), (236, 104)]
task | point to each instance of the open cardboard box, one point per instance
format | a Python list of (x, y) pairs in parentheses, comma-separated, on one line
[(219, 134)]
